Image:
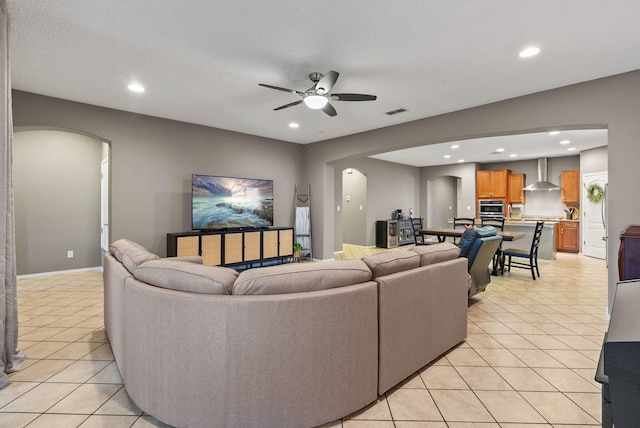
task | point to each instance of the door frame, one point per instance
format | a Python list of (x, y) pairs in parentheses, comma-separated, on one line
[(104, 205)]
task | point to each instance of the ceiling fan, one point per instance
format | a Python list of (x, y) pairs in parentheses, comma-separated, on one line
[(317, 97)]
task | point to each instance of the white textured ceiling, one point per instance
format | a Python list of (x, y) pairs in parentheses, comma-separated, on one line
[(201, 60), (503, 148)]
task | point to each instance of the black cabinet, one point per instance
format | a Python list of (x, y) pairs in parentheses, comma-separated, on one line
[(387, 233), (620, 356), (405, 232), (393, 233), (236, 247)]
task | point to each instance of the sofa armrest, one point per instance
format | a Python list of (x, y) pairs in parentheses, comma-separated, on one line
[(422, 314)]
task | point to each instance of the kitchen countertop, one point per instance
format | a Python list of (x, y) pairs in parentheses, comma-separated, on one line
[(528, 221)]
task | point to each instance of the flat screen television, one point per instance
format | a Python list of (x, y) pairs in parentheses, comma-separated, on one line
[(230, 202)]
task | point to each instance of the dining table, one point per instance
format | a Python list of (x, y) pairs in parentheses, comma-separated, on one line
[(443, 233)]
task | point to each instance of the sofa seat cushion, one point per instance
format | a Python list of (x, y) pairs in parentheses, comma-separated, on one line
[(187, 276), (130, 254), (392, 262), (436, 253), (301, 277)]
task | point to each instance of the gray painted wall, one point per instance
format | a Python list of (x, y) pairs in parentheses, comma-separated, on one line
[(152, 160), (594, 160), (57, 200), (390, 186), (467, 174)]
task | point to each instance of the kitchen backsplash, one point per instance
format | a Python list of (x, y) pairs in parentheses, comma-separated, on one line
[(545, 204)]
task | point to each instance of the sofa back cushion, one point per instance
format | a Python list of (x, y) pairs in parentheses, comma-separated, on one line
[(186, 276), (391, 262), (130, 254), (436, 253), (301, 277)]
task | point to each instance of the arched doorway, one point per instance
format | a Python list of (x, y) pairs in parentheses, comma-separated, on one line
[(58, 192), (443, 200), (354, 202)]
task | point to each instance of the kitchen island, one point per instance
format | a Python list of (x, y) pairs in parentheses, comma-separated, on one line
[(547, 248)]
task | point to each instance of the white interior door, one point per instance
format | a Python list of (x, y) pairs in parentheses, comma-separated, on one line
[(594, 218), (104, 206)]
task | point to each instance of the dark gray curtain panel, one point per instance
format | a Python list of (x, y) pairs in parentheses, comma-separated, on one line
[(11, 358)]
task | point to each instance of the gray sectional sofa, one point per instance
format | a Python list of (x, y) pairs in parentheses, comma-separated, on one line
[(294, 345)]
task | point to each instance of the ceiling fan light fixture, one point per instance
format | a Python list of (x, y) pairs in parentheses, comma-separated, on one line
[(315, 101)]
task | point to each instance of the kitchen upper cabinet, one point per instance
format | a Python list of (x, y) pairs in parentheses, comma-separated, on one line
[(516, 184), (568, 238), (570, 184), (492, 184)]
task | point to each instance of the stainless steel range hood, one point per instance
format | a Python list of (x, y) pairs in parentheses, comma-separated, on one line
[(543, 182)]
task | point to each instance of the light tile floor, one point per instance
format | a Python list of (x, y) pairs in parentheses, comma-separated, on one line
[(528, 361)]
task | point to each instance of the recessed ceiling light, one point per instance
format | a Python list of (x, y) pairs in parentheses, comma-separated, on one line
[(499, 150), (455, 146), (460, 160), (570, 149), (294, 125), (554, 132), (529, 52), (565, 142), (136, 87), (447, 156), (513, 155)]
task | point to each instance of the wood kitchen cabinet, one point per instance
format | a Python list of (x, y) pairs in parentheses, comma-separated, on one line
[(492, 184), (516, 184), (568, 236), (570, 186)]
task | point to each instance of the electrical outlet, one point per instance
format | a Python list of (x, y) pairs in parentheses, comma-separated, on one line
[(70, 254)]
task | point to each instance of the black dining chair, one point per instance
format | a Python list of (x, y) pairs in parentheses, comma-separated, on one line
[(462, 222), (418, 238), (531, 255), (498, 223)]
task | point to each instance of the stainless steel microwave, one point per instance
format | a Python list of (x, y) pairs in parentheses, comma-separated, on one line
[(491, 208)]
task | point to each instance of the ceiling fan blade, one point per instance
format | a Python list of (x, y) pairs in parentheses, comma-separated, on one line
[(353, 97), (295, 103), (329, 110), (278, 88), (328, 80)]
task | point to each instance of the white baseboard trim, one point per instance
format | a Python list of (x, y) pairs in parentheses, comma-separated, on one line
[(59, 272)]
